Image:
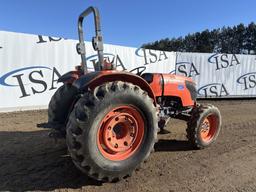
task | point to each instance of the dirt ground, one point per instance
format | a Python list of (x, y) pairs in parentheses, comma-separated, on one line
[(30, 161)]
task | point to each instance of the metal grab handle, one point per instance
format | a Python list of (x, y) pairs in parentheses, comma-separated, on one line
[(97, 41)]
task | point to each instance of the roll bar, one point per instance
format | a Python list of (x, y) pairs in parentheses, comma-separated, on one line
[(97, 41)]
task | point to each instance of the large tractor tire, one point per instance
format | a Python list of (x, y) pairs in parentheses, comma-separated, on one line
[(111, 130), (60, 103), (204, 126)]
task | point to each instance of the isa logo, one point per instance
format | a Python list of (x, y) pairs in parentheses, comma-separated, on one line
[(151, 56), (31, 80), (187, 69), (247, 81), (213, 89), (109, 57), (223, 61)]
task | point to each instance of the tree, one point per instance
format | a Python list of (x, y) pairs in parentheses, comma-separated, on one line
[(238, 39)]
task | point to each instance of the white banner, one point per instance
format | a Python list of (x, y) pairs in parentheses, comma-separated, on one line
[(31, 64), (219, 75)]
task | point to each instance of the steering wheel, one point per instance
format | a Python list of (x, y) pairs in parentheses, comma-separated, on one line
[(139, 70)]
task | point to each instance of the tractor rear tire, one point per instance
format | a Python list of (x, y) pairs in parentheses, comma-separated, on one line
[(60, 103), (111, 130), (204, 126)]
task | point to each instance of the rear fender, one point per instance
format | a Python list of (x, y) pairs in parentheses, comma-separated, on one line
[(94, 79), (69, 77)]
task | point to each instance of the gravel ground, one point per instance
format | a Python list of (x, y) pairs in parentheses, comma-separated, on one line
[(30, 161)]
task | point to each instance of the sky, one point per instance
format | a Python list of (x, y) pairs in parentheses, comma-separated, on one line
[(127, 23)]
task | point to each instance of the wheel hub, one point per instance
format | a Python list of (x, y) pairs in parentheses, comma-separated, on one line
[(208, 128), (121, 132), (205, 127)]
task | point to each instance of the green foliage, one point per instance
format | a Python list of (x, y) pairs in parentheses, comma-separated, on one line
[(239, 39)]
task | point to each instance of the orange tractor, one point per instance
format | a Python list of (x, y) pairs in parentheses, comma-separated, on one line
[(111, 118)]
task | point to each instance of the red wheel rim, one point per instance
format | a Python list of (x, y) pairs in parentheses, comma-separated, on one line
[(208, 128), (120, 133)]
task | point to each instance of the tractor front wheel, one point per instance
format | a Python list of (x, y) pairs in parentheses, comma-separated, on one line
[(111, 130), (204, 126)]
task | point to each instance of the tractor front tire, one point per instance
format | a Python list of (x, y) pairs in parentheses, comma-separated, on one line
[(204, 126), (111, 130)]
